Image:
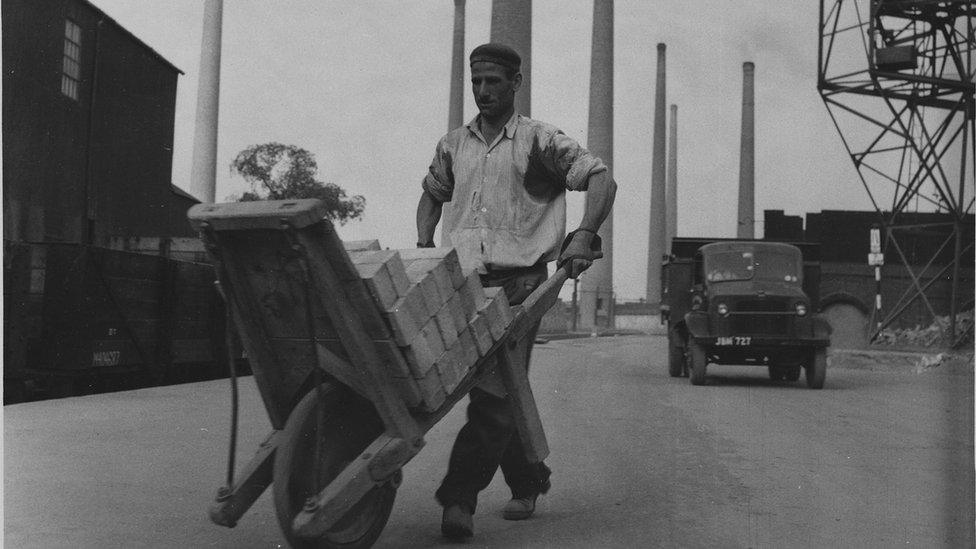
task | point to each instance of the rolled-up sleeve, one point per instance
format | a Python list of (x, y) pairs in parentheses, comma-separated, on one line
[(439, 181), (571, 161)]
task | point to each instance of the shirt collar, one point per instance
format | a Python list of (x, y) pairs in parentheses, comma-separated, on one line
[(509, 128)]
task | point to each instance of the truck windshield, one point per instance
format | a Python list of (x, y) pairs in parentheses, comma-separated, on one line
[(777, 266), (725, 266)]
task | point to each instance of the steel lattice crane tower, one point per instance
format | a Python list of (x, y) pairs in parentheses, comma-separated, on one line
[(897, 78)]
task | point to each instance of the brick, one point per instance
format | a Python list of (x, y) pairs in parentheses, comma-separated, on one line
[(432, 267), (419, 356), (481, 333), (431, 390), (446, 326), (356, 245), (407, 316), (469, 353), (446, 256), (432, 336), (447, 368), (386, 281), (457, 312), (432, 296), (497, 312), (472, 294)]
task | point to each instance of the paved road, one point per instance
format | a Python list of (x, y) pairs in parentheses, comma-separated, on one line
[(640, 460)]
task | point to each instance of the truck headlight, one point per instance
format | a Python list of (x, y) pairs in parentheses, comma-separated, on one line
[(801, 309), (722, 309)]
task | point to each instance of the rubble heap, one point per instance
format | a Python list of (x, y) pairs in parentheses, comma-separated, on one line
[(933, 335)]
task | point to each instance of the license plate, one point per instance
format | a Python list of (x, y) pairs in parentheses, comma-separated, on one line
[(106, 358), (733, 341)]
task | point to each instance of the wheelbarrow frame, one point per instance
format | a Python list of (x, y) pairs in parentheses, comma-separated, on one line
[(333, 281)]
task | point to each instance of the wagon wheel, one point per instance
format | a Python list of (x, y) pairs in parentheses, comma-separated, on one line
[(342, 424), (791, 373), (817, 369), (676, 354), (697, 362)]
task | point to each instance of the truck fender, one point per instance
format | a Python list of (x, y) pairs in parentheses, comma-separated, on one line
[(821, 328), (697, 324)]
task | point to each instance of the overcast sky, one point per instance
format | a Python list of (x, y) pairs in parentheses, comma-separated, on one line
[(364, 86)]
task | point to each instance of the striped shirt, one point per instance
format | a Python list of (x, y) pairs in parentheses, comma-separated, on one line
[(508, 198)]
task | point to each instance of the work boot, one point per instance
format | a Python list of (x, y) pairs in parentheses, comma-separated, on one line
[(519, 508), (456, 522)]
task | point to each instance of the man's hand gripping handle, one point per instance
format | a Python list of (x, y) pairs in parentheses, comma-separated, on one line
[(580, 249)]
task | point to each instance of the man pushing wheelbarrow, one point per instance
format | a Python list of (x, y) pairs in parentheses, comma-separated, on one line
[(506, 176), (358, 351)]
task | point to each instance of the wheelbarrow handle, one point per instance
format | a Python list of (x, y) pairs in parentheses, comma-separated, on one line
[(539, 301)]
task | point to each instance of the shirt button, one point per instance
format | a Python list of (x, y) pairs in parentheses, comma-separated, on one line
[(488, 155), (484, 209)]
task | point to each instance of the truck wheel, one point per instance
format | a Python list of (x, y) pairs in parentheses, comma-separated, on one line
[(336, 424), (697, 362), (817, 369), (676, 355), (775, 373)]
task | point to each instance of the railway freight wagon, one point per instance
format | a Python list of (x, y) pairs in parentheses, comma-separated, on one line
[(82, 319)]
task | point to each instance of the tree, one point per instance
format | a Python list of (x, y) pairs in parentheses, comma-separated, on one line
[(280, 172)]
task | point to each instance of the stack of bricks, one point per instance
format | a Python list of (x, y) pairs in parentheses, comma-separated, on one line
[(441, 319)]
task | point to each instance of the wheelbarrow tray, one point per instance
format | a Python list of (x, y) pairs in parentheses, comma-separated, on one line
[(303, 313)]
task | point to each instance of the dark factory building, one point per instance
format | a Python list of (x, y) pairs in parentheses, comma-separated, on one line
[(848, 286), (88, 121), (101, 268)]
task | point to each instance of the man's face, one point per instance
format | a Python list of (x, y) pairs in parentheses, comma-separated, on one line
[(494, 91)]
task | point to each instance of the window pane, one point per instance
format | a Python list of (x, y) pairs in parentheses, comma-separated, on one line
[(72, 31), (69, 87), (70, 62), (71, 69), (71, 50)]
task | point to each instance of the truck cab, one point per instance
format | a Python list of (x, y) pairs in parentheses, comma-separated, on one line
[(744, 302)]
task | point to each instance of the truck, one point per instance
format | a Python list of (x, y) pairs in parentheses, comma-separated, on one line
[(748, 302)]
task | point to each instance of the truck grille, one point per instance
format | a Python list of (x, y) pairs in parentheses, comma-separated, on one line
[(762, 316), (762, 306)]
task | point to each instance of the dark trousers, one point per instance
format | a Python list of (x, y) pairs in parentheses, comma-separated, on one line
[(490, 439)]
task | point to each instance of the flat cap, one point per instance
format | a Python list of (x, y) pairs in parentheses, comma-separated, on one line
[(499, 54)]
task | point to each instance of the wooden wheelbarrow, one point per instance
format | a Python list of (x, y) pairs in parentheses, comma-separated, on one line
[(347, 408)]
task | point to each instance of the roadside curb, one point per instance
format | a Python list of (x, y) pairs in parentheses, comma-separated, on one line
[(901, 361)]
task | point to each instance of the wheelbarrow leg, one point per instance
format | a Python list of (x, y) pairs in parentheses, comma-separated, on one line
[(515, 376), (234, 501)]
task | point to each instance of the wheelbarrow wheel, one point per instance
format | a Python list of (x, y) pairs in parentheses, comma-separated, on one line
[(342, 424)]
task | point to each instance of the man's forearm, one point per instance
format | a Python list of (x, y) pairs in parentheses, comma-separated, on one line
[(428, 214), (600, 194)]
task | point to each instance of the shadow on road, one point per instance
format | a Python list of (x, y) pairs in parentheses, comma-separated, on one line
[(751, 376)]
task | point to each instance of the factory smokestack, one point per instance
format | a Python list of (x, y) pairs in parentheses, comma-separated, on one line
[(455, 111), (672, 187), (455, 115), (596, 287), (203, 173), (511, 24), (747, 156), (655, 240)]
